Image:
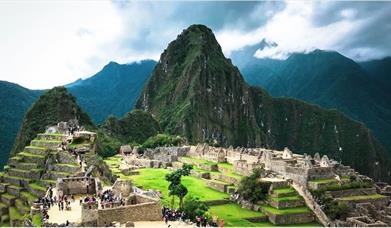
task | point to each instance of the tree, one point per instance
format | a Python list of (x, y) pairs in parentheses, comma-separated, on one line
[(193, 207), (252, 189), (176, 188)]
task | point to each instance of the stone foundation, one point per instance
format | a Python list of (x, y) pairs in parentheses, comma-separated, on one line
[(290, 218)]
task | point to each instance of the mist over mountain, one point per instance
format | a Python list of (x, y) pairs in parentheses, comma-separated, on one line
[(331, 80), (197, 92)]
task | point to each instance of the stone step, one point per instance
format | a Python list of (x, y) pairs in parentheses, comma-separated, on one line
[(55, 175), (33, 174), (283, 192), (66, 167), (14, 160), (26, 165), (3, 209), (14, 190), (19, 181), (51, 136), (5, 219), (37, 189), (33, 158), (36, 150), (3, 187), (21, 206), (286, 202), (16, 218), (50, 144), (49, 182), (28, 196), (8, 199)]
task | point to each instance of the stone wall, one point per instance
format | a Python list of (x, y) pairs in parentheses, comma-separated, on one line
[(352, 192), (286, 204), (290, 218), (379, 202), (148, 211), (77, 185), (219, 186)]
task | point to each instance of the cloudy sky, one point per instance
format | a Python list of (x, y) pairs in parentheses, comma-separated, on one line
[(49, 43)]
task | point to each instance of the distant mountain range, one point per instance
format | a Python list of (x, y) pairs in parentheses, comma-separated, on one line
[(113, 90), (327, 78), (14, 102), (180, 87)]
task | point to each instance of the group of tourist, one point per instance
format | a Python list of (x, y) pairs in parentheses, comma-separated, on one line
[(202, 221), (108, 197), (172, 215), (65, 202)]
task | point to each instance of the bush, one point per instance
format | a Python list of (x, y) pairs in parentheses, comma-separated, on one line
[(253, 190), (107, 146), (194, 207), (336, 210), (162, 140)]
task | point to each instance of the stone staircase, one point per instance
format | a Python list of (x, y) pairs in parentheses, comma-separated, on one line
[(28, 173), (312, 204)]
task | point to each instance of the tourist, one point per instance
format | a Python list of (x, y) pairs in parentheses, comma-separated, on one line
[(221, 223), (214, 221)]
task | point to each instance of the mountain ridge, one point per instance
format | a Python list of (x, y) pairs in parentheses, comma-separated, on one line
[(202, 96)]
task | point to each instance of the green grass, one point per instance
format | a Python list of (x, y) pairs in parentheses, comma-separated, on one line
[(328, 180), (296, 210), (233, 214), (2, 205), (286, 198), (51, 134), (151, 178), (27, 154), (226, 165), (283, 190), (197, 160), (17, 178), (198, 170), (8, 196), (37, 186), (269, 224), (47, 141), (72, 165), (36, 147), (37, 220), (362, 197), (29, 196), (15, 214)]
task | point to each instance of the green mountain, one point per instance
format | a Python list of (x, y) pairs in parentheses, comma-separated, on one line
[(14, 102), (197, 92), (113, 90), (333, 81), (54, 106), (380, 71)]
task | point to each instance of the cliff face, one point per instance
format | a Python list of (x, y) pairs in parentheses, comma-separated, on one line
[(195, 91)]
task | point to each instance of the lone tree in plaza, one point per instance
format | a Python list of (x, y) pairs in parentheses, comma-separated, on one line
[(176, 188)]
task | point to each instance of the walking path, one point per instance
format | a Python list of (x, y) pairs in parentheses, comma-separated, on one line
[(312, 204), (60, 217)]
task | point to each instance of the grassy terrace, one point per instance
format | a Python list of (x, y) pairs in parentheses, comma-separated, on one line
[(151, 178), (286, 198), (51, 134), (362, 197), (226, 165), (234, 215), (295, 210), (14, 213), (36, 147), (198, 170), (197, 160), (283, 190), (27, 154), (328, 180), (38, 186), (8, 196), (17, 178), (29, 196), (72, 165), (47, 141)]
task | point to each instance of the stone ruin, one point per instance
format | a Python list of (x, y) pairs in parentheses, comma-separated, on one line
[(138, 207)]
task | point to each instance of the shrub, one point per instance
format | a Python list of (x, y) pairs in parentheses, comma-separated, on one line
[(253, 190), (194, 207)]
